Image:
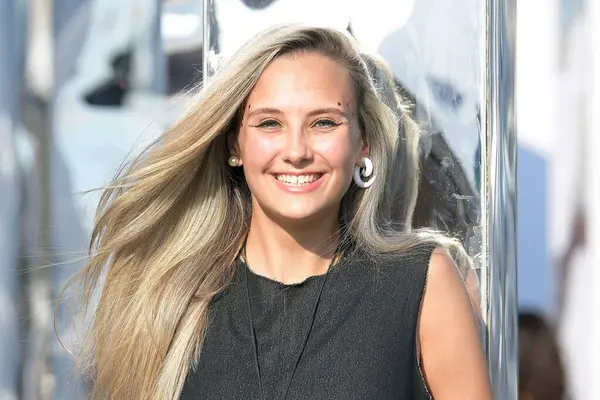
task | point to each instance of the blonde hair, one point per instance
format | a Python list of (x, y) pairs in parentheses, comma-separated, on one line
[(171, 224)]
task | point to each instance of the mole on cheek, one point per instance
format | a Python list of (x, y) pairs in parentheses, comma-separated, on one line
[(339, 104)]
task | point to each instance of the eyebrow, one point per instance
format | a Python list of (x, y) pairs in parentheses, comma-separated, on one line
[(318, 111)]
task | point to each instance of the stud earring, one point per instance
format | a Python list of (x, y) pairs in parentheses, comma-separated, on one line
[(365, 172), (233, 161)]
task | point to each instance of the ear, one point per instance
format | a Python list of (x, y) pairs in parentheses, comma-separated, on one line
[(364, 152), (233, 146)]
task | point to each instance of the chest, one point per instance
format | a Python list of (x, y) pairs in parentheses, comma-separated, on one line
[(361, 344)]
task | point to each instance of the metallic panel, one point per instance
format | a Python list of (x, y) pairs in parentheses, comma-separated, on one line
[(501, 146)]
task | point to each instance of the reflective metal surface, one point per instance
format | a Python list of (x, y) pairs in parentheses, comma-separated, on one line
[(499, 122), (148, 61), (107, 106), (37, 89), (182, 38), (10, 198)]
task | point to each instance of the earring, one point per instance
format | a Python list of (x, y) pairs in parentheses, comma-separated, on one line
[(366, 172), (233, 161)]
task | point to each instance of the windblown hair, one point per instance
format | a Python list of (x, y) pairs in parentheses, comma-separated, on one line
[(171, 224)]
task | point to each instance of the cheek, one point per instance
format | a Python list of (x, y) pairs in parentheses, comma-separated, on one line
[(338, 153), (258, 151)]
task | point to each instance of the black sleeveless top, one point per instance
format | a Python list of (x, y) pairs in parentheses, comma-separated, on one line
[(362, 343)]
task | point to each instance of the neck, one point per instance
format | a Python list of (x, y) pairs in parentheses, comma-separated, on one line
[(290, 254)]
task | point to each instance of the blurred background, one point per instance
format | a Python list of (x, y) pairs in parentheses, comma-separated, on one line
[(83, 83)]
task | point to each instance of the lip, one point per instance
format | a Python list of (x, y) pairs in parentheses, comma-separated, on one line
[(300, 189)]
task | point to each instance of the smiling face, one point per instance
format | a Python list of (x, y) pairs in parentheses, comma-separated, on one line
[(299, 138)]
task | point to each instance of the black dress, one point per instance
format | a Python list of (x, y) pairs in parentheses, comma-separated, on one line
[(360, 345)]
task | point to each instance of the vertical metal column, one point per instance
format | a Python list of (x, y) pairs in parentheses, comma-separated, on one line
[(9, 204), (149, 59), (38, 382), (501, 146), (207, 9)]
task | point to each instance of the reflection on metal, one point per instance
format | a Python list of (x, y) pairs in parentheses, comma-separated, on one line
[(209, 43), (501, 198), (10, 199), (445, 199), (148, 58), (182, 31), (38, 91)]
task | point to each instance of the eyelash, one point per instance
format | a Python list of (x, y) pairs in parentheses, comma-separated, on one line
[(333, 124), (265, 123)]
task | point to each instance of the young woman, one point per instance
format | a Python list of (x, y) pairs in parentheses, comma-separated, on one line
[(252, 252)]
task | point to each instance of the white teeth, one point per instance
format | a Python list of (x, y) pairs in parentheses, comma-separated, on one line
[(297, 179)]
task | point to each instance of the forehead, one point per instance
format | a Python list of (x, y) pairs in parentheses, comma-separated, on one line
[(303, 80)]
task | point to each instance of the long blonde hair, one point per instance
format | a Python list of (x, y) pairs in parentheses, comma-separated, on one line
[(171, 224)]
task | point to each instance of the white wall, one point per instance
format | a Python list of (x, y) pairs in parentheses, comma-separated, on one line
[(576, 183), (536, 106)]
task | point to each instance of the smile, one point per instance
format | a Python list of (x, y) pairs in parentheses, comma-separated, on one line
[(297, 180)]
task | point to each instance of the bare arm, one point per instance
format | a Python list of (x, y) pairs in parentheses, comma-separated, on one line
[(452, 355)]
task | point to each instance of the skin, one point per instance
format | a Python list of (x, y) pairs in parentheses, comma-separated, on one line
[(452, 356), (301, 118), (474, 291)]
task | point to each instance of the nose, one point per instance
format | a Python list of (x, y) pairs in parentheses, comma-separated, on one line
[(297, 149)]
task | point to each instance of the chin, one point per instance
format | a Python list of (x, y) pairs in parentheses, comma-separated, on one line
[(300, 213)]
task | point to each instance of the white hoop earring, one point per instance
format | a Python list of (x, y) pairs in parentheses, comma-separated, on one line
[(366, 172)]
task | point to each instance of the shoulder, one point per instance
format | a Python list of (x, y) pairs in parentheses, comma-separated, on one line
[(451, 349), (446, 283), (408, 264), (444, 278)]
